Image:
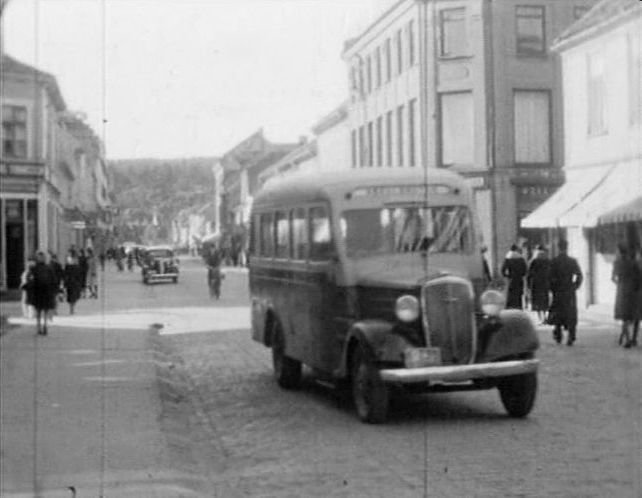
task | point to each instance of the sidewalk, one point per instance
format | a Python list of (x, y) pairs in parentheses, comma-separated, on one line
[(81, 408)]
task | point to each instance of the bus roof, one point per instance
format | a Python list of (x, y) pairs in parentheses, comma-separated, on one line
[(310, 187)]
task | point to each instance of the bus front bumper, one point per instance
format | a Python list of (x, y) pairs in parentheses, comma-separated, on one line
[(459, 373)]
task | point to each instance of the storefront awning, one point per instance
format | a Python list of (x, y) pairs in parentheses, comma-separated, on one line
[(622, 185), (630, 211), (568, 196)]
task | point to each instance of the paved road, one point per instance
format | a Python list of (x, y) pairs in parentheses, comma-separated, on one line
[(583, 438), (229, 431)]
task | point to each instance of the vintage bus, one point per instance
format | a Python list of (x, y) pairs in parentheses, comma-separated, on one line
[(375, 281)]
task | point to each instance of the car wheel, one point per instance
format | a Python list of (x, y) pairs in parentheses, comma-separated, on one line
[(518, 393), (369, 393), (287, 371)]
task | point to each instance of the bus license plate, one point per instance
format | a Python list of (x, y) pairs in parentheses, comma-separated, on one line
[(422, 357)]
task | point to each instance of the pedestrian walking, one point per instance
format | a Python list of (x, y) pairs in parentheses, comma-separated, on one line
[(73, 281), (26, 287), (638, 306), (92, 274), (101, 259), (626, 276), (58, 272), (565, 278), (538, 284), (82, 263), (44, 291), (514, 269)]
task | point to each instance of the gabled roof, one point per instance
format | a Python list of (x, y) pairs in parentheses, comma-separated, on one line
[(9, 65), (603, 14)]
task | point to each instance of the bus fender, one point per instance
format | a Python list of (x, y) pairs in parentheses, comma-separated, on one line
[(515, 336), (376, 337)]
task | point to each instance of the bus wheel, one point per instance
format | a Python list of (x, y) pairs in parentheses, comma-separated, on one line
[(369, 392), (287, 371), (517, 393)]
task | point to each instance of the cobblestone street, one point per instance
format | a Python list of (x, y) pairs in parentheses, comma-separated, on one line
[(582, 439)]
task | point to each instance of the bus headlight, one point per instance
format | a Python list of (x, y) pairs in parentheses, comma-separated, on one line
[(407, 308), (492, 302)]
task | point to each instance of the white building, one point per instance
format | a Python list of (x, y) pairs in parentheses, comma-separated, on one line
[(600, 205), (332, 135)]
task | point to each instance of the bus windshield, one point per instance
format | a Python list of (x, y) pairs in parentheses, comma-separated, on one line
[(435, 229)]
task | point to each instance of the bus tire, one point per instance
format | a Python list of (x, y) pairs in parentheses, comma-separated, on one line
[(287, 371), (369, 393)]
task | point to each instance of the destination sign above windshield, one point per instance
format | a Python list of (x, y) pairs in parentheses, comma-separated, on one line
[(403, 190)]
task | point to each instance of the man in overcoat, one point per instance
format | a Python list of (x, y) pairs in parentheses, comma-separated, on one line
[(565, 278)]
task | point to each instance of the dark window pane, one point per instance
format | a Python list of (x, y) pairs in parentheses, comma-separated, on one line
[(320, 237)]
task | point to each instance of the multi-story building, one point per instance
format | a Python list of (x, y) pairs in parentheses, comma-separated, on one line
[(45, 164), (332, 135), (469, 85), (303, 158), (600, 205), (236, 177)]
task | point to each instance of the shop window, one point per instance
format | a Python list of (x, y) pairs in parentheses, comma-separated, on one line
[(14, 131), (320, 237), (532, 127), (530, 26), (457, 129), (454, 36)]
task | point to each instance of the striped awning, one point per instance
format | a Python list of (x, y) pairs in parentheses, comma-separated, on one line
[(630, 211)]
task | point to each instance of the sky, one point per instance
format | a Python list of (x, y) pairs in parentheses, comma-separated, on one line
[(186, 78)]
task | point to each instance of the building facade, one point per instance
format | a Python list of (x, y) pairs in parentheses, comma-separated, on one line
[(47, 163), (600, 205), (332, 135), (468, 85)]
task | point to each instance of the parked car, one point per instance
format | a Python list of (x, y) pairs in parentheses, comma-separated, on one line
[(159, 263), (376, 281)]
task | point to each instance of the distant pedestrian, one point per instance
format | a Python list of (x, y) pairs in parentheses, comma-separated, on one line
[(101, 259), (82, 263), (73, 281), (58, 272), (487, 275), (26, 287), (565, 278), (626, 276), (638, 306), (538, 283), (92, 274), (44, 297), (514, 269)]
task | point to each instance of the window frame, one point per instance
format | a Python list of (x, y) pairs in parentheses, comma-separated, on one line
[(370, 134), (400, 141), (388, 59), (389, 138), (11, 108), (263, 251), (353, 139), (441, 138), (549, 93), (412, 139), (281, 215), (327, 213), (294, 247), (400, 51), (379, 141), (442, 33), (378, 67), (519, 43)]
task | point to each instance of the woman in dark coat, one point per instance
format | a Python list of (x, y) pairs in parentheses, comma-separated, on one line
[(73, 281), (84, 269), (44, 291), (626, 276), (514, 269), (538, 282), (638, 313)]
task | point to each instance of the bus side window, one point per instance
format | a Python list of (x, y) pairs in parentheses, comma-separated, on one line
[(254, 235), (298, 234), (282, 234), (267, 235), (320, 237)]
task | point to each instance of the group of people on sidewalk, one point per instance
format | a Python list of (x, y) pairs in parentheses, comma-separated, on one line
[(46, 281), (550, 286)]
